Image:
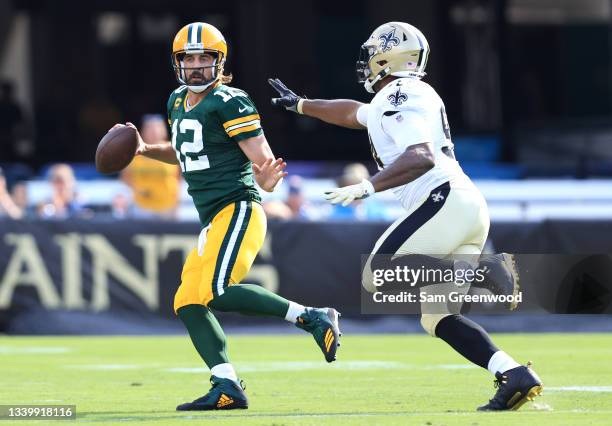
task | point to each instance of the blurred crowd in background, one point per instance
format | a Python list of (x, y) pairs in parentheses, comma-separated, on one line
[(526, 83), (152, 189)]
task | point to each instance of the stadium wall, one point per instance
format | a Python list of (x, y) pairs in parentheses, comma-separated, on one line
[(66, 276)]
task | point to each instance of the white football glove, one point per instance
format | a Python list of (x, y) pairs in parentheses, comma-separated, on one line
[(347, 194)]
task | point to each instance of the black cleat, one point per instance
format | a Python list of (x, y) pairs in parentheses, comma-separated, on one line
[(514, 388), (501, 275), (322, 323), (225, 394)]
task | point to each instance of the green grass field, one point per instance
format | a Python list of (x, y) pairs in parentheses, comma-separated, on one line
[(383, 379)]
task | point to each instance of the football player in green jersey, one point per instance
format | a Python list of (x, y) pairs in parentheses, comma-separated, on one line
[(218, 142)]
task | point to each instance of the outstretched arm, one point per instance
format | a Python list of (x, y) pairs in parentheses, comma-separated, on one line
[(341, 112)]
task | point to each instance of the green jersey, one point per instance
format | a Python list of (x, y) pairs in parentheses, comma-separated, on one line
[(206, 138)]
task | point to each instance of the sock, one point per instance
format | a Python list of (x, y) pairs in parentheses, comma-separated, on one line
[(224, 371), (250, 299), (501, 362), (294, 311), (467, 338), (206, 334)]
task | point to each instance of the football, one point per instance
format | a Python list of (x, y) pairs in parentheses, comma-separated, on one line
[(116, 150)]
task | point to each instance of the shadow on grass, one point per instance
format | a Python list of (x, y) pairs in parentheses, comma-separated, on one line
[(151, 416)]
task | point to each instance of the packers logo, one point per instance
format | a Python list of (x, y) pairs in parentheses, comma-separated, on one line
[(177, 102), (388, 40)]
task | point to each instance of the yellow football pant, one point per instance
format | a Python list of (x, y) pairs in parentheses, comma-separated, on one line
[(233, 239)]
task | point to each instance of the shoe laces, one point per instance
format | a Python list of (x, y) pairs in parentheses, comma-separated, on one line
[(497, 384), (307, 321), (500, 381)]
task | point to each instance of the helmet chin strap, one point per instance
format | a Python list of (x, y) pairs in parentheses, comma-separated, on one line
[(202, 87), (369, 85)]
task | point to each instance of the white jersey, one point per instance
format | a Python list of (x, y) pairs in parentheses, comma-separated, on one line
[(407, 112)]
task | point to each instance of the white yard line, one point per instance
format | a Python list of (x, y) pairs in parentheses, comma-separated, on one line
[(26, 350), (599, 389), (248, 367), (107, 367)]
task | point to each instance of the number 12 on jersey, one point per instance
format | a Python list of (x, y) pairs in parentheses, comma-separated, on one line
[(189, 163)]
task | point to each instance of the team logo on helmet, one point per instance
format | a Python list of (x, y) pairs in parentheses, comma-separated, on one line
[(397, 98), (388, 40)]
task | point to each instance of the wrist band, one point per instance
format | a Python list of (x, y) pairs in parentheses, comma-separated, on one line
[(369, 187), (299, 106)]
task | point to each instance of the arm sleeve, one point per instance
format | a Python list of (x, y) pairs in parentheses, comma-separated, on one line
[(240, 118), (406, 127), (362, 114)]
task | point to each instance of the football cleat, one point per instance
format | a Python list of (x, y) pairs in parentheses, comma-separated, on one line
[(514, 388), (322, 323), (225, 394), (501, 275)]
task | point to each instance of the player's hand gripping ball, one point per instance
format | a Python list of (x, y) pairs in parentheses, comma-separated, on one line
[(117, 148)]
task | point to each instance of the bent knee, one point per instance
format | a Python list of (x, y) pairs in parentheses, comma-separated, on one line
[(429, 322)]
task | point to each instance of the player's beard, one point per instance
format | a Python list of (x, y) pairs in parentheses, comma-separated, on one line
[(196, 78)]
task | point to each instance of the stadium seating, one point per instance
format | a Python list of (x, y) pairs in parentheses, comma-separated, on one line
[(509, 200)]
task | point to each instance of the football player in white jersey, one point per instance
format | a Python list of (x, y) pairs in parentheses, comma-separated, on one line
[(446, 215)]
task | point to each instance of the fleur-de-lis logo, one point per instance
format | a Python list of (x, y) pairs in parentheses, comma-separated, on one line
[(388, 40), (397, 98), (437, 197)]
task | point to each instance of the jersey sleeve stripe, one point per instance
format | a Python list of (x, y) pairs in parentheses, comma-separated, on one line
[(244, 129), (180, 89), (240, 120), (236, 126)]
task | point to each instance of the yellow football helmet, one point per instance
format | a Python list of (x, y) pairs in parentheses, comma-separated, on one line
[(394, 48), (197, 38)]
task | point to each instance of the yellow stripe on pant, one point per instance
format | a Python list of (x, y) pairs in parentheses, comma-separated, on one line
[(235, 236)]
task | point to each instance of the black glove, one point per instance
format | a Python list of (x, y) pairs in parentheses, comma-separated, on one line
[(287, 99)]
